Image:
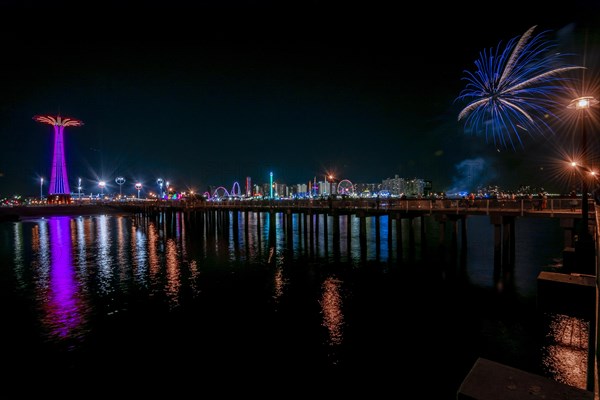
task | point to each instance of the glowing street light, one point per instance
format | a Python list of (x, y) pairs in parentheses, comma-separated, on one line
[(138, 186), (119, 180), (585, 243), (79, 187), (102, 184), (42, 189), (159, 182), (328, 184), (583, 104)]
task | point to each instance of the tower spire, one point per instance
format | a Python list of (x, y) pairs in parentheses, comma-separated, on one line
[(58, 191)]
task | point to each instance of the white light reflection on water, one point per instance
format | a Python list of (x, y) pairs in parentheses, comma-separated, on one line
[(331, 309), (565, 357), (18, 249), (103, 257), (183, 238), (153, 249), (123, 251), (139, 256), (81, 246), (42, 264)]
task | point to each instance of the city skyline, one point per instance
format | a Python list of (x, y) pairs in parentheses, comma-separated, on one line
[(237, 93)]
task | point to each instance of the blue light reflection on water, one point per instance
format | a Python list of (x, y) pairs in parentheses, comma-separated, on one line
[(93, 288)]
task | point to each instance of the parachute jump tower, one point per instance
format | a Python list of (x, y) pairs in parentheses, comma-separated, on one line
[(58, 192)]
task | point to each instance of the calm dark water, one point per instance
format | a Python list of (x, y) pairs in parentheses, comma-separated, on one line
[(123, 305)]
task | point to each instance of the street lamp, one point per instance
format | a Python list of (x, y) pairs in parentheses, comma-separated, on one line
[(138, 186), (102, 184), (159, 181), (42, 189), (583, 104), (119, 180), (79, 187)]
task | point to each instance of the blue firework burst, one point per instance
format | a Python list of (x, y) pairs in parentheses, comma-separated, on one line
[(514, 89)]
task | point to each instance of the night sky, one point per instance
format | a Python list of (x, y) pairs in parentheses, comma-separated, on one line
[(211, 94)]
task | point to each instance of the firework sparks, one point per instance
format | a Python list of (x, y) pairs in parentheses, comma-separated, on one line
[(514, 89)]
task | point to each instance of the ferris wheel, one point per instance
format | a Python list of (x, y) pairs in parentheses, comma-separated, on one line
[(345, 187)]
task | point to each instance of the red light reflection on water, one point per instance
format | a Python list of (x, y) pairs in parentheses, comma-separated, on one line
[(173, 272), (565, 355), (331, 308)]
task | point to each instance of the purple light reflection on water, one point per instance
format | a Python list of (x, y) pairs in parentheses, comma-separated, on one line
[(63, 305)]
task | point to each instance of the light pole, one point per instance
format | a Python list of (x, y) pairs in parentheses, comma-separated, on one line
[(159, 181), (79, 187), (102, 184), (329, 184), (585, 260), (42, 189), (583, 104), (138, 186), (119, 180), (271, 184)]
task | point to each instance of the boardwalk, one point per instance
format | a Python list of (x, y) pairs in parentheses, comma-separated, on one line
[(317, 217), (555, 207)]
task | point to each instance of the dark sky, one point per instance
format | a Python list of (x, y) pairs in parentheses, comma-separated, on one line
[(211, 94)]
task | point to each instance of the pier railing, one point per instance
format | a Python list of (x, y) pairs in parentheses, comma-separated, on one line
[(549, 207)]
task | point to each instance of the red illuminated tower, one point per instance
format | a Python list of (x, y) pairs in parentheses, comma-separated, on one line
[(59, 191)]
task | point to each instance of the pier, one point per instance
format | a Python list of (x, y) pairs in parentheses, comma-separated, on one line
[(405, 218)]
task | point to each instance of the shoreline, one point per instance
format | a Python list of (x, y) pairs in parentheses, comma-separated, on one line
[(14, 214)]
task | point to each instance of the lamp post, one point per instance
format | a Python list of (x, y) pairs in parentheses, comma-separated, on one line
[(585, 240), (42, 189), (583, 104), (102, 184), (159, 181), (138, 186), (119, 180), (79, 187)]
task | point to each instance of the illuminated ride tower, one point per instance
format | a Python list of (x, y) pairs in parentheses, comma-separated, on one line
[(59, 191)]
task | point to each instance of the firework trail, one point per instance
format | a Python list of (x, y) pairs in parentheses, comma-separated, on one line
[(514, 89)]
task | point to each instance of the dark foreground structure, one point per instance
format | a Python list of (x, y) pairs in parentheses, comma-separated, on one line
[(489, 380), (571, 294)]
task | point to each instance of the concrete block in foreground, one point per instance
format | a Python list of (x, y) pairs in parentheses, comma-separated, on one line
[(569, 294), (489, 380)]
